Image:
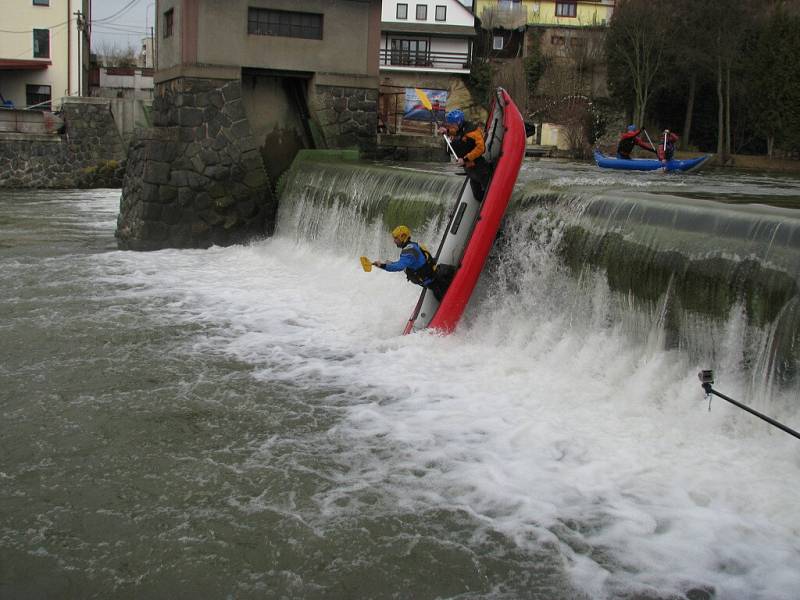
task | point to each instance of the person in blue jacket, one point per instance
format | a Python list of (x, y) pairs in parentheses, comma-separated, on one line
[(420, 267)]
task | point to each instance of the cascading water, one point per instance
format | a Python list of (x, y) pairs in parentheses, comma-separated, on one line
[(681, 273)]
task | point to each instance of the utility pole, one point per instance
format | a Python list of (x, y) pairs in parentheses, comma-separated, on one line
[(81, 26)]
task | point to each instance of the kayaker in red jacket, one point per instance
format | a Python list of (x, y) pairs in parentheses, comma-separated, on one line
[(630, 138), (666, 146)]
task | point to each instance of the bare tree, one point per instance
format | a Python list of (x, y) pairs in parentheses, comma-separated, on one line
[(111, 55), (635, 46)]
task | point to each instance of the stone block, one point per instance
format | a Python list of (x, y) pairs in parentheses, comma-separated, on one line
[(179, 178), (202, 201), (197, 182), (156, 172), (224, 202), (240, 129), (167, 193), (217, 172), (211, 217), (232, 91), (190, 117), (151, 211), (234, 110), (255, 178), (216, 190), (216, 99)]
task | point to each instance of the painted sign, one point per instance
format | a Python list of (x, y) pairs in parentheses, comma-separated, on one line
[(424, 104)]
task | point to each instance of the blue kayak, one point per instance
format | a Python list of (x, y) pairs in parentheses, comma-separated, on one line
[(648, 164)]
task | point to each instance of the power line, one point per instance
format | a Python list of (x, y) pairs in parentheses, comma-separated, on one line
[(120, 12), (30, 30)]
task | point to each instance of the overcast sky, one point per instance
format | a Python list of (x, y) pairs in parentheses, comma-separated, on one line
[(121, 22)]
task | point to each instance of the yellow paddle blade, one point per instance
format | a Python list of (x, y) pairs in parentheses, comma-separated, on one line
[(366, 263), (423, 98)]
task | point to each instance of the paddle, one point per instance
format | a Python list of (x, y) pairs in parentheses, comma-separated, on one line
[(649, 140), (366, 264), (427, 104)]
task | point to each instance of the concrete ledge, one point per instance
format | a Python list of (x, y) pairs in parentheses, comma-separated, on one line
[(6, 136), (85, 100)]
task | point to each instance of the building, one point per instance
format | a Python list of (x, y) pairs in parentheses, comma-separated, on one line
[(240, 87), (511, 14), (308, 70), (44, 52), (425, 45)]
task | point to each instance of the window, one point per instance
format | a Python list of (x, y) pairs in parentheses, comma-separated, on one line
[(41, 2), (497, 42), (410, 52), (402, 11), (422, 12), (566, 9), (264, 21), (558, 40), (441, 13), (38, 96), (41, 43), (169, 23)]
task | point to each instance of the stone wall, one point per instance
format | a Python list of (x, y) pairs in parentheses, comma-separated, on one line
[(196, 178), (88, 153), (347, 116)]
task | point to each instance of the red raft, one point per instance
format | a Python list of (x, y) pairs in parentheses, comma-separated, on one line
[(473, 226)]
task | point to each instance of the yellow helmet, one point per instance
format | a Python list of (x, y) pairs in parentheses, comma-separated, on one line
[(402, 233)]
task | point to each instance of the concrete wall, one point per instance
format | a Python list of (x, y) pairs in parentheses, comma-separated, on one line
[(215, 34)]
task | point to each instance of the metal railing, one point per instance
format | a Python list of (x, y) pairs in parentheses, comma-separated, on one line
[(455, 61)]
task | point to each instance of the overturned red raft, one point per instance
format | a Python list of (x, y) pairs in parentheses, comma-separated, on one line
[(473, 226)]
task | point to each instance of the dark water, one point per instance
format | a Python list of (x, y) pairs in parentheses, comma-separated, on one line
[(247, 423)]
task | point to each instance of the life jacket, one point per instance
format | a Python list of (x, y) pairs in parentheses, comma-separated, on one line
[(468, 144), (423, 269)]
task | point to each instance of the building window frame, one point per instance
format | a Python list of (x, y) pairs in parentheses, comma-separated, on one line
[(41, 43), (284, 23), (422, 12), (402, 12), (37, 94), (567, 8), (441, 12), (411, 52), (498, 42), (41, 2), (169, 23)]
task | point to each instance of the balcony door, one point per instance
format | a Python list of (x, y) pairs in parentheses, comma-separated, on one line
[(410, 52)]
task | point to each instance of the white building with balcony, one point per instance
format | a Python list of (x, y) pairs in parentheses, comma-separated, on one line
[(426, 36), (425, 47)]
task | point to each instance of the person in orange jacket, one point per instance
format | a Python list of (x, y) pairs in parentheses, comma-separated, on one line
[(468, 145)]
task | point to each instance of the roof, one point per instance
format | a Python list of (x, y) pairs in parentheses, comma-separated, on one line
[(443, 30)]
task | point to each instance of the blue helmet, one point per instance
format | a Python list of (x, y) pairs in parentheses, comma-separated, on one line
[(454, 117), (631, 127)]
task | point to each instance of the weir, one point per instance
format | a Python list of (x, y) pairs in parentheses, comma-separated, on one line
[(718, 282)]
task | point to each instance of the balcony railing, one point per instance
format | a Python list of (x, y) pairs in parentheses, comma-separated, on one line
[(452, 61)]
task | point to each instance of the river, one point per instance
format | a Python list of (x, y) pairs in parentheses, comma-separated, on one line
[(247, 422)]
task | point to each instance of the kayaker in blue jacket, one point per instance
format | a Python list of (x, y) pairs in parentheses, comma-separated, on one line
[(420, 267)]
